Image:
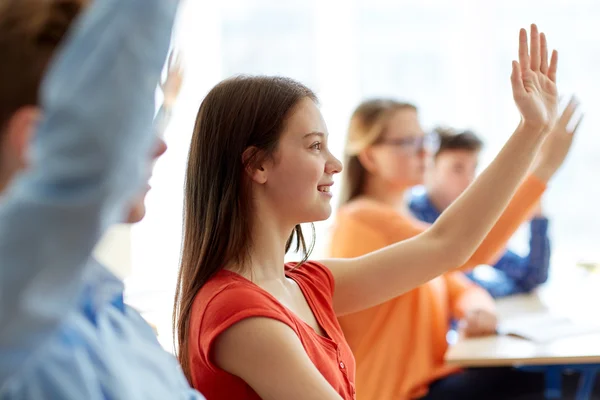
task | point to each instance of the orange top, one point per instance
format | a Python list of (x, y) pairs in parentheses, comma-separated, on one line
[(228, 298), (400, 345)]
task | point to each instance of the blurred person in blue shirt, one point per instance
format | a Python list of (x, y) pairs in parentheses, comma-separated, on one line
[(77, 144)]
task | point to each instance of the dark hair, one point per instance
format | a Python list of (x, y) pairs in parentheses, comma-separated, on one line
[(30, 33), (239, 114), (451, 139), (367, 124)]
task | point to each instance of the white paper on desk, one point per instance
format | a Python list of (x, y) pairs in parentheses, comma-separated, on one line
[(545, 327)]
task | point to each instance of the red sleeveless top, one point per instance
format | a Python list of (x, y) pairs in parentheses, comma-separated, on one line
[(228, 298)]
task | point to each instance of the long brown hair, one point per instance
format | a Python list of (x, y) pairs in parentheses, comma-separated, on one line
[(30, 33), (367, 124), (238, 114)]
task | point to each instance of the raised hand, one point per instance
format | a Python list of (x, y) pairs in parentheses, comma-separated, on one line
[(557, 144), (172, 84), (534, 80)]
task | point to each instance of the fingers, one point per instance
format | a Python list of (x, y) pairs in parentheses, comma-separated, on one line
[(536, 56), (472, 328), (177, 62), (523, 49), (467, 328), (577, 125), (174, 60), (534, 49), (516, 79), (543, 54), (469, 325), (568, 113), (553, 66), (479, 323)]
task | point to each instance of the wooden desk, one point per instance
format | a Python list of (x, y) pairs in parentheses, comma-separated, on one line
[(510, 351), (514, 351)]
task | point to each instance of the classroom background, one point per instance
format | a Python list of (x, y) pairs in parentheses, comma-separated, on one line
[(451, 58)]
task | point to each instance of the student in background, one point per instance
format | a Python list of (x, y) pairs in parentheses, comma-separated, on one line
[(75, 152), (450, 171), (251, 327), (400, 344)]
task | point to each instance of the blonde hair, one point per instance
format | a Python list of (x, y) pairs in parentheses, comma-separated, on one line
[(367, 124)]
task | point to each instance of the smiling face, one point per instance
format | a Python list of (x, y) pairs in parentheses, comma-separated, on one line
[(297, 180)]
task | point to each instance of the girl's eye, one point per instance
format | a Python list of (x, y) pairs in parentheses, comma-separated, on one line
[(316, 146)]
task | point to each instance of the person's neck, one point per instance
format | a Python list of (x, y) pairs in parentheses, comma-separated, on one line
[(267, 251), (377, 189), (438, 198)]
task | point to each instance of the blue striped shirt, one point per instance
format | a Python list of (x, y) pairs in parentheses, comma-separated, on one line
[(512, 274), (65, 332)]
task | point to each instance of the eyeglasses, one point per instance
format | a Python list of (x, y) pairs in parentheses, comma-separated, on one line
[(414, 144)]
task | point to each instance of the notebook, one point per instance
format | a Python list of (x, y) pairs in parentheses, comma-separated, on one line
[(545, 327)]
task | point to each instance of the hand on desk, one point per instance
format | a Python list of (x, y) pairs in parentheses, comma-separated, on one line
[(478, 322)]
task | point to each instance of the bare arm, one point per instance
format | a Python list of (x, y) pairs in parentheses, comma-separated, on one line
[(376, 277), (269, 357)]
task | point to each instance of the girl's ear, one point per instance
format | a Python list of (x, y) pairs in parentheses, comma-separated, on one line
[(255, 171)]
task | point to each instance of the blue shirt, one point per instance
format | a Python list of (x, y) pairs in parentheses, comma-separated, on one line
[(65, 332), (512, 274)]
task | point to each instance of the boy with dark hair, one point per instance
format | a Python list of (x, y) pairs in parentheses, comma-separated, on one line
[(451, 171)]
